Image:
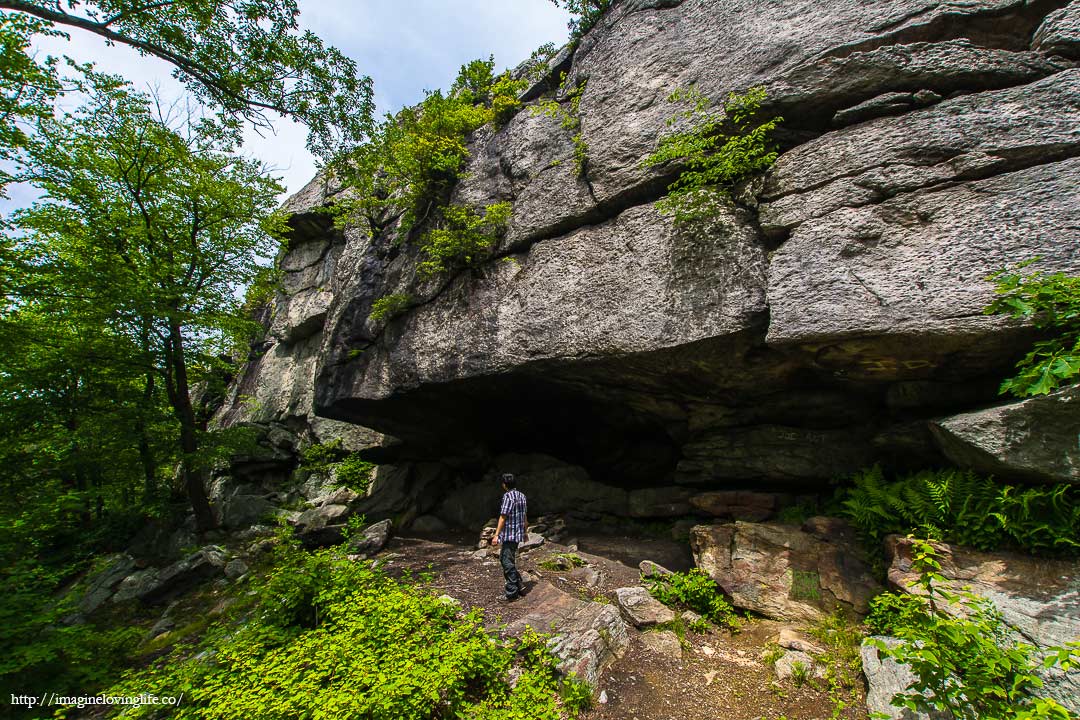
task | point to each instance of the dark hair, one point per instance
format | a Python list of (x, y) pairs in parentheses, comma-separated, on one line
[(509, 481)]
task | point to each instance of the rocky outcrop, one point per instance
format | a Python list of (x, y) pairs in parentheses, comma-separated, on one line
[(826, 317), (1038, 599), (925, 146), (784, 572), (1034, 438), (156, 585)]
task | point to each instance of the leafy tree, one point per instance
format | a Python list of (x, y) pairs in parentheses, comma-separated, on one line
[(153, 230), (1052, 302), (405, 173), (584, 14), (245, 57)]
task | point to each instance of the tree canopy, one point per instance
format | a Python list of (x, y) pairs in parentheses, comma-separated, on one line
[(246, 57), (130, 263)]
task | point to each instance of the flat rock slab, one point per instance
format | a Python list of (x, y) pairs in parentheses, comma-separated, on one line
[(1034, 438), (586, 636), (1039, 599), (782, 571), (641, 609)]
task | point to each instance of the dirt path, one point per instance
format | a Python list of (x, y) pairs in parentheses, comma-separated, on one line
[(717, 675)]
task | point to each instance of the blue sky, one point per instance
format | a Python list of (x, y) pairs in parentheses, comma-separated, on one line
[(406, 46)]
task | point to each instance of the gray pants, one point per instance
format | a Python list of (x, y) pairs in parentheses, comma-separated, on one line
[(510, 572)]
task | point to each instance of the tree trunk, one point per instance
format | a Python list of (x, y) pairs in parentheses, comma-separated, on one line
[(146, 453), (180, 398)]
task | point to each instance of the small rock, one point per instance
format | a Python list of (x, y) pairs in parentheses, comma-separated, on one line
[(590, 577), (532, 541), (372, 540), (603, 697), (341, 496), (707, 651), (663, 643), (164, 625), (642, 609), (650, 569), (785, 666), (792, 639), (236, 568), (690, 617)]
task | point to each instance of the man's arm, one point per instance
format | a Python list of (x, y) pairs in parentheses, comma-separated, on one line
[(498, 530)]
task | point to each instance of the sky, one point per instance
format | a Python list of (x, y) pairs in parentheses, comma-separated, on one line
[(406, 46)]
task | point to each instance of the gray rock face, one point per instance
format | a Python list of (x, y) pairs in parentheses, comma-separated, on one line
[(1039, 599), (1034, 438), (909, 266), (783, 572), (641, 609)]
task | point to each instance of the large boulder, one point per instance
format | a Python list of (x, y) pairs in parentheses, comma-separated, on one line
[(1037, 598), (653, 353), (784, 572), (586, 636), (1034, 439), (769, 345)]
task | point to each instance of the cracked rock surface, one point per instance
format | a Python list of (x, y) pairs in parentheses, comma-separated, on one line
[(827, 317)]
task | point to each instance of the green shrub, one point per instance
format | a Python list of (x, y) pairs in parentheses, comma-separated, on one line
[(355, 474), (389, 307), (536, 67), (1052, 302), (722, 148), (335, 638), (463, 237), (694, 590), (964, 508), (890, 611), (406, 171), (332, 457), (320, 457), (964, 663)]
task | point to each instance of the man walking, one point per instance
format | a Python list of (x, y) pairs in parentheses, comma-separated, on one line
[(510, 532)]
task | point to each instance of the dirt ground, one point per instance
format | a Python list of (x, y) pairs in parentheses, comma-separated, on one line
[(720, 675)]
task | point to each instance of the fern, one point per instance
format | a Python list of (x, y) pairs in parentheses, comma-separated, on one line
[(964, 508)]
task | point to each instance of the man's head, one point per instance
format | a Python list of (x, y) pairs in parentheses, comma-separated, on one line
[(508, 481)]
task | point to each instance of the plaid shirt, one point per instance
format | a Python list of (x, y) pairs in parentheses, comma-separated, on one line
[(513, 507)]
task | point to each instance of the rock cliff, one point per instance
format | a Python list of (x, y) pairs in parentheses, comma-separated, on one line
[(827, 317)]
